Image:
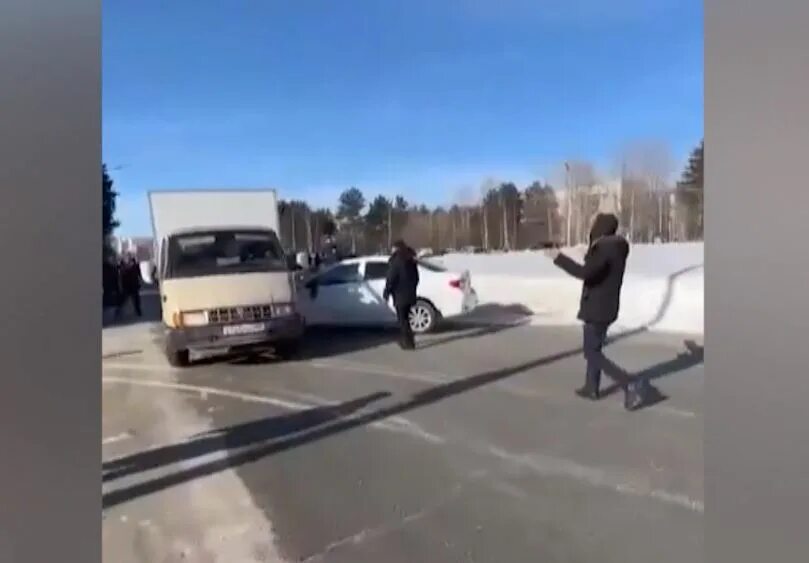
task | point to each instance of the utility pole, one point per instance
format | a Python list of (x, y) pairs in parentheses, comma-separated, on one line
[(506, 245), (631, 202), (308, 220), (569, 202), (454, 231), (485, 225), (292, 214), (390, 225)]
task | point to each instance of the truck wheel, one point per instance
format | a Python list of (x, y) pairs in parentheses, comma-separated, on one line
[(287, 349), (178, 358)]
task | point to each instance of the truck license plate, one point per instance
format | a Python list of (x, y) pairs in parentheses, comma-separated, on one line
[(235, 330)]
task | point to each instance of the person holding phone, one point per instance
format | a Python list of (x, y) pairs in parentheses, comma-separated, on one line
[(602, 275)]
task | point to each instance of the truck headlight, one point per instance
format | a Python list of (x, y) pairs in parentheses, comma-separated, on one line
[(196, 318), (283, 310)]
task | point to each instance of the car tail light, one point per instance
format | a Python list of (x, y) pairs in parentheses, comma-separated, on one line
[(457, 284)]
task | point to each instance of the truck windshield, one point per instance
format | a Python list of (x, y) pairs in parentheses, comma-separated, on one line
[(224, 252)]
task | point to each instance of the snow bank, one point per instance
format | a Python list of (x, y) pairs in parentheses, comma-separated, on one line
[(663, 286)]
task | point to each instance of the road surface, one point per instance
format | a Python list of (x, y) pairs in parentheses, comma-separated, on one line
[(473, 448)]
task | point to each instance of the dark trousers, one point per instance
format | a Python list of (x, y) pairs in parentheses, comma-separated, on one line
[(595, 335), (406, 339), (135, 297)]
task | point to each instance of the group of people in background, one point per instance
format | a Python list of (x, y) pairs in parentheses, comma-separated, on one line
[(121, 285)]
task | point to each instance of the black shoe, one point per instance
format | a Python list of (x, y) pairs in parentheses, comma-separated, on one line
[(588, 393)]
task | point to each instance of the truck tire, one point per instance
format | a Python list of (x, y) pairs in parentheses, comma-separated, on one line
[(287, 349), (178, 358)]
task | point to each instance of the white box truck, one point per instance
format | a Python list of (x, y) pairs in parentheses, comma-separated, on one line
[(223, 276)]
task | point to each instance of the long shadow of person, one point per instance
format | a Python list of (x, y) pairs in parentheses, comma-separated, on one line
[(641, 382), (315, 432)]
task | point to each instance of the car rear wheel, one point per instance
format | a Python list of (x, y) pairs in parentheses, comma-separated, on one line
[(423, 317)]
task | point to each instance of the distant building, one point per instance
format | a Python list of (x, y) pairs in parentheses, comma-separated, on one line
[(141, 247)]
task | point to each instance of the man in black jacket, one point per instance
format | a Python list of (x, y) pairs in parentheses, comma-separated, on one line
[(602, 274), (130, 283), (401, 284)]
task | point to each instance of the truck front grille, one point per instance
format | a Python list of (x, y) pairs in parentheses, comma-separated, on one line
[(238, 314)]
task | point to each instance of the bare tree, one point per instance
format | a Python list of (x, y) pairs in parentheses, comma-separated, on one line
[(581, 177), (646, 167), (487, 190)]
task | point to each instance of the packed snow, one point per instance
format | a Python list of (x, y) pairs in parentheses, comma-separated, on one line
[(663, 286)]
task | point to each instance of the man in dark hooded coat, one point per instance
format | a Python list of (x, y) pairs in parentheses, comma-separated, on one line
[(602, 274), (401, 284)]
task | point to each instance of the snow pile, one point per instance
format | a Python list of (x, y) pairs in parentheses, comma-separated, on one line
[(663, 285)]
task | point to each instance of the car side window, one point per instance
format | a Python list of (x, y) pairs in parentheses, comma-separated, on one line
[(376, 270), (345, 273)]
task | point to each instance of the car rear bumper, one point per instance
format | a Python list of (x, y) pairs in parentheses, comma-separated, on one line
[(221, 336), (470, 302)]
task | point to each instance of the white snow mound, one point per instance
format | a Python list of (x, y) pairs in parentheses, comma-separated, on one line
[(663, 286)]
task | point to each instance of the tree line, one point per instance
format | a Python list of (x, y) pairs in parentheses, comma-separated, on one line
[(505, 217)]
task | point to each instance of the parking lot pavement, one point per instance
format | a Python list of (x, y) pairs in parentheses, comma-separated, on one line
[(472, 448)]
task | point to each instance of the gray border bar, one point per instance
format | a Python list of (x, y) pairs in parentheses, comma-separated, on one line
[(757, 281), (50, 173)]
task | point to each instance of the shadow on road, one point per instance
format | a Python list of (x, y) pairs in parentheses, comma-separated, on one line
[(234, 437), (694, 355), (487, 319), (313, 432), (150, 307), (429, 396), (321, 342)]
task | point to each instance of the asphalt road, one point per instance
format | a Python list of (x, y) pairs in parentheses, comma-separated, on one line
[(472, 448)]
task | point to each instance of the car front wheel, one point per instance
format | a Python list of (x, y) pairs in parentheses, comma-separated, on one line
[(423, 317)]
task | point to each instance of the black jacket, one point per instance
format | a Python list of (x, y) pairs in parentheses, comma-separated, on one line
[(403, 277), (130, 277), (111, 282), (603, 275)]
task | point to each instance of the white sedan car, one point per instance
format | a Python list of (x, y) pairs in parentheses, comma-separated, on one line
[(350, 294)]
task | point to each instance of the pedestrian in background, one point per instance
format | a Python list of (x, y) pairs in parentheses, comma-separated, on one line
[(130, 283), (401, 284), (602, 275), (111, 286)]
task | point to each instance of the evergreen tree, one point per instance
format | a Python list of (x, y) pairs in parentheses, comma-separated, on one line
[(690, 192), (108, 198)]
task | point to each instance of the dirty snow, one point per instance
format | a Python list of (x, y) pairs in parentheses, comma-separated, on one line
[(663, 285)]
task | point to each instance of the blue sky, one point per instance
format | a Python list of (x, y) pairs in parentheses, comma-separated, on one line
[(425, 98)]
